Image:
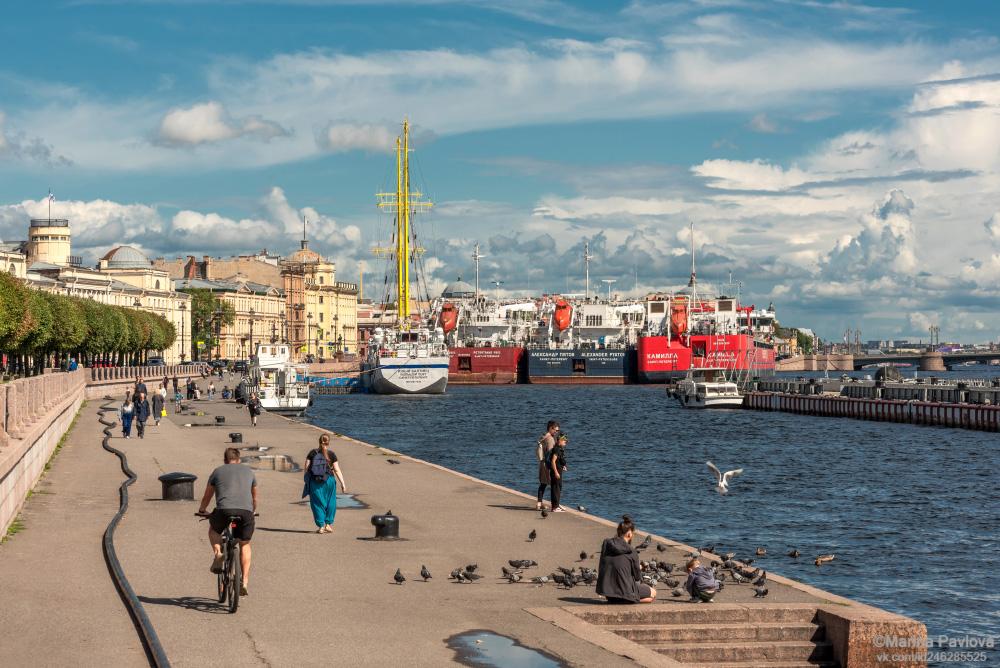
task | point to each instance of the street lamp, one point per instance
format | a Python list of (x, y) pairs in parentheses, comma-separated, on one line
[(309, 319), (183, 308), (274, 338), (498, 284), (344, 329), (281, 315), (336, 319), (251, 330)]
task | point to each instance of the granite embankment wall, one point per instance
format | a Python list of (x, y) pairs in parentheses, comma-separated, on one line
[(816, 363), (36, 412)]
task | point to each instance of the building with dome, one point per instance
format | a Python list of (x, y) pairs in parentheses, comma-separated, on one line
[(458, 290)]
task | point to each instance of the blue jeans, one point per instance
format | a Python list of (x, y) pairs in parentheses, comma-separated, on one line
[(127, 424), (323, 501)]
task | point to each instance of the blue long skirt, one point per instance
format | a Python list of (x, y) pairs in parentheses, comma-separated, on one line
[(323, 500)]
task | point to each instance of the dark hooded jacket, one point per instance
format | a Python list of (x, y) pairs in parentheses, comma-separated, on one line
[(702, 578), (618, 571), (142, 411)]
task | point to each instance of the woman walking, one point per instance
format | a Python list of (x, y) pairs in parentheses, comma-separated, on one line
[(126, 413), (158, 406), (253, 405), (322, 474)]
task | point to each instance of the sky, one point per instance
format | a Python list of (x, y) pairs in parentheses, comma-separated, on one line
[(839, 159)]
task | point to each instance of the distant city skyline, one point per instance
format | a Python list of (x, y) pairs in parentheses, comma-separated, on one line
[(841, 159)]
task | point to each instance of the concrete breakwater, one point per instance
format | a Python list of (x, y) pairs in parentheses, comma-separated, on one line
[(968, 404)]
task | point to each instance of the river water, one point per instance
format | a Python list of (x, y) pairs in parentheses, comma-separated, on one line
[(910, 512)]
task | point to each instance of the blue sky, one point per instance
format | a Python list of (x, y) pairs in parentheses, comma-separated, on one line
[(841, 158)]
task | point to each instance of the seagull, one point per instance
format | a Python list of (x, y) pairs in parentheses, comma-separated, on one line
[(533, 535), (398, 577), (723, 479), (424, 573)]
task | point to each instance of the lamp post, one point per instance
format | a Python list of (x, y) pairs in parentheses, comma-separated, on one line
[(218, 330), (251, 330), (138, 305), (183, 308), (498, 284), (281, 315), (309, 319), (336, 319), (344, 329)]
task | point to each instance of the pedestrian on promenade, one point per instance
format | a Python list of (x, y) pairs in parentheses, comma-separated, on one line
[(618, 572), (232, 373), (165, 380), (142, 413), (72, 364), (321, 476), (545, 443), (189, 388), (555, 460), (175, 384), (253, 405), (140, 388), (157, 407), (178, 398), (211, 391), (234, 487), (126, 413)]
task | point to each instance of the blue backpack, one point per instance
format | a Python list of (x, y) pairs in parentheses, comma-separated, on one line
[(320, 469)]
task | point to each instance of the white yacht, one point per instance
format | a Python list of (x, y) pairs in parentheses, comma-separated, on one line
[(406, 362), (275, 379), (708, 388)]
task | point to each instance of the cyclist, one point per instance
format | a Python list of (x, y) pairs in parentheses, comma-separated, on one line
[(234, 486)]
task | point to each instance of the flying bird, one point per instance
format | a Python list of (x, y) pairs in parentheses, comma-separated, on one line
[(723, 479), (398, 577), (424, 573), (532, 536)]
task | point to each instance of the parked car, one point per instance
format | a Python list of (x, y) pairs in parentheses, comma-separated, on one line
[(240, 365), (155, 361), (190, 363)]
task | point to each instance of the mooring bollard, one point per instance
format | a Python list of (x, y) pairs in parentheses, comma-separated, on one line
[(219, 419), (386, 526), (235, 437), (178, 486)]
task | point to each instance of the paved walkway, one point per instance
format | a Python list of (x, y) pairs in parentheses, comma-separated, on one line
[(315, 599)]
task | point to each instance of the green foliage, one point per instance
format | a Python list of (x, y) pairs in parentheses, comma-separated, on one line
[(805, 342), (203, 316), (13, 309)]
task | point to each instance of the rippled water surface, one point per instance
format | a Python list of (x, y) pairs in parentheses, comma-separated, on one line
[(910, 512)]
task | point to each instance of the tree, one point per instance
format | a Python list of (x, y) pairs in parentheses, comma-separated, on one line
[(804, 341), (204, 316)]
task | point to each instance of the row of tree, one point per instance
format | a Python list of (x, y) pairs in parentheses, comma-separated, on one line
[(37, 327)]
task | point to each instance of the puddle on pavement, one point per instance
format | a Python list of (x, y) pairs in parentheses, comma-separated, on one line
[(271, 463), (497, 651), (207, 424), (256, 448)]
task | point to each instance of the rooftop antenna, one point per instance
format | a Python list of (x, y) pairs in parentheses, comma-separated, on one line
[(305, 241), (586, 258), (693, 281), (476, 256), (609, 281)]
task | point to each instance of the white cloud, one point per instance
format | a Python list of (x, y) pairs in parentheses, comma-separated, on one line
[(760, 123), (16, 146), (755, 175), (210, 123)]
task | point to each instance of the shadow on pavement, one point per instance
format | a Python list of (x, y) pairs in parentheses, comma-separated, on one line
[(513, 507), (286, 530), (590, 601), (198, 603)]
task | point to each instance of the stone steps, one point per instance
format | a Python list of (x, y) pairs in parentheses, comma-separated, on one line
[(714, 653), (777, 664), (761, 632), (715, 613)]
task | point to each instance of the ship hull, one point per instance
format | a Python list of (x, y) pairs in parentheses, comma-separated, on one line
[(666, 360), (580, 366), (485, 366), (422, 375)]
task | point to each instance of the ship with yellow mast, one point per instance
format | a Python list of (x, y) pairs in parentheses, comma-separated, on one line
[(405, 356)]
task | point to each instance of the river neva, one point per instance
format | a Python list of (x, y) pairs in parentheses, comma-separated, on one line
[(910, 512)]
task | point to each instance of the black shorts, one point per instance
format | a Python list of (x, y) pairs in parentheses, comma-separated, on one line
[(244, 525)]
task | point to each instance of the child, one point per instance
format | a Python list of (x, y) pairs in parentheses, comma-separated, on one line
[(555, 461), (178, 398), (225, 392), (701, 582)]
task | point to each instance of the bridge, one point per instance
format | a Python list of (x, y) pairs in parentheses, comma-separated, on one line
[(949, 359)]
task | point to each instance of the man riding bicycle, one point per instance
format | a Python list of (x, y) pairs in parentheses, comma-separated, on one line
[(234, 486)]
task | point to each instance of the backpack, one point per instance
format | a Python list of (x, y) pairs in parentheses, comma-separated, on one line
[(540, 450), (320, 469)]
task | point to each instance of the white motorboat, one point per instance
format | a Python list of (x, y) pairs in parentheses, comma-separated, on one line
[(275, 378), (708, 388)]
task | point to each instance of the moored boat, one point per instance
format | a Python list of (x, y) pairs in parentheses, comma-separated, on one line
[(275, 379)]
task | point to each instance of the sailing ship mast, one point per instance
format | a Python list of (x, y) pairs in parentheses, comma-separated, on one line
[(404, 202)]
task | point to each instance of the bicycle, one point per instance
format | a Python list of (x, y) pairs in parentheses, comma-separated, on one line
[(231, 576)]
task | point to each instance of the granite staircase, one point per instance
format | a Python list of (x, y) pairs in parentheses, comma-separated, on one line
[(719, 635)]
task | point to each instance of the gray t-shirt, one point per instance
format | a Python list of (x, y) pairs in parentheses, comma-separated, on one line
[(232, 483)]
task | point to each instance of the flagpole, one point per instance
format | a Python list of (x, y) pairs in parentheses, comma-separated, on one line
[(50, 203)]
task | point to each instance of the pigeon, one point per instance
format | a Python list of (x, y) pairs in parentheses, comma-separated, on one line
[(506, 571), (471, 577), (566, 571), (541, 580), (573, 579), (760, 551), (392, 461), (668, 568), (737, 578), (672, 583), (823, 558), (545, 513), (645, 543), (472, 568), (721, 577), (762, 580), (761, 592), (532, 536), (660, 547), (514, 577), (590, 578), (557, 578), (794, 554), (729, 556), (747, 561), (528, 563), (677, 592), (398, 577), (424, 573), (723, 479), (460, 577), (515, 563), (582, 509), (729, 563), (456, 573), (583, 555)]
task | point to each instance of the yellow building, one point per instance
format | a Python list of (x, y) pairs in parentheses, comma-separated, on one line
[(322, 312)]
